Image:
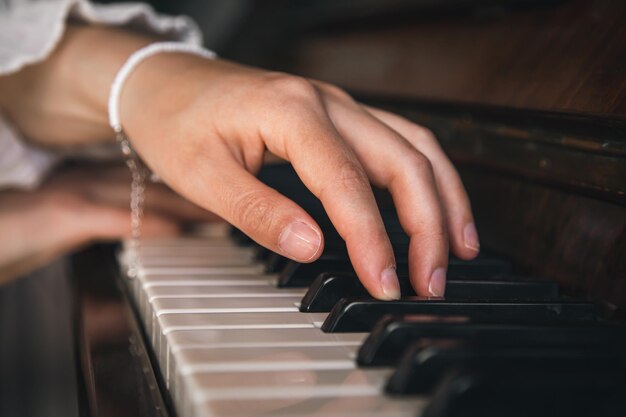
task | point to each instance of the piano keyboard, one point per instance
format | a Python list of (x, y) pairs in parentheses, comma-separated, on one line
[(232, 340)]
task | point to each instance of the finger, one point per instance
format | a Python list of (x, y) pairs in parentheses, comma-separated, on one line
[(110, 185), (96, 222), (459, 218), (259, 211), (409, 176), (328, 167)]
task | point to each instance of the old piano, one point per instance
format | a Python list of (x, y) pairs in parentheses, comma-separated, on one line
[(529, 100)]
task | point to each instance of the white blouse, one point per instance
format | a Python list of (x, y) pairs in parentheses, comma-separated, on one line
[(29, 32)]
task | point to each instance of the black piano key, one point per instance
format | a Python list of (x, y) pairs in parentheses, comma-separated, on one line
[(420, 368), (302, 275), (361, 314), (392, 335), (295, 274), (522, 391), (329, 288)]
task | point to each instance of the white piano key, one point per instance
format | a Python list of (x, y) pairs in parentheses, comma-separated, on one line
[(222, 291), (161, 307), (245, 359), (202, 291), (196, 261), (205, 385), (187, 271), (309, 404), (224, 305), (197, 241), (257, 359), (194, 251), (197, 339), (149, 280), (142, 283), (175, 322), (199, 387), (203, 339)]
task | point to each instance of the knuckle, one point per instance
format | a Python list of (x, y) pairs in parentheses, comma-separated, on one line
[(334, 91), (430, 233), (418, 163), (351, 176), (293, 88), (254, 211), (425, 133)]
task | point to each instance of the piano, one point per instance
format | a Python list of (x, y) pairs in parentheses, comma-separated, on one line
[(528, 98)]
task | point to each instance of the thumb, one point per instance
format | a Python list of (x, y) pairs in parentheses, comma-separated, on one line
[(102, 222)]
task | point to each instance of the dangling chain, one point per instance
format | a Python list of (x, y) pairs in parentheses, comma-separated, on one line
[(139, 173)]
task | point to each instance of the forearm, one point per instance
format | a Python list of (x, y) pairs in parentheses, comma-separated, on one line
[(63, 101)]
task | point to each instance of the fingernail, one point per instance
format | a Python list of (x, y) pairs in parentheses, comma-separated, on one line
[(437, 285), (470, 237), (389, 283), (300, 241)]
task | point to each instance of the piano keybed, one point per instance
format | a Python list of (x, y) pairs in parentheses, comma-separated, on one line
[(232, 339)]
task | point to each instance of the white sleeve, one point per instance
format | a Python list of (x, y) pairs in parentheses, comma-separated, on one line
[(31, 29)]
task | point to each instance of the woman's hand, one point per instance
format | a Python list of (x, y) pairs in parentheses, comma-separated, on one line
[(207, 126), (76, 207), (203, 126)]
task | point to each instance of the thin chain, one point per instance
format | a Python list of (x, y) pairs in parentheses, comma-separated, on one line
[(138, 173)]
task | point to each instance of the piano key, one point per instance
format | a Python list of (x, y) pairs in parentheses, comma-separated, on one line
[(329, 288), (182, 241), (197, 261), (520, 391), (420, 368), (187, 271), (361, 314), (482, 266), (168, 323), (358, 404), (269, 384), (144, 284), (165, 306), (194, 251), (295, 274), (224, 305), (204, 291), (232, 384), (248, 359), (227, 338), (221, 386), (391, 335)]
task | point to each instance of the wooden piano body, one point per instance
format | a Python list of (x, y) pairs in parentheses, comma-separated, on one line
[(527, 98)]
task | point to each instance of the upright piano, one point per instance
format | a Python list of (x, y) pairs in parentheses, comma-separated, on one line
[(528, 98)]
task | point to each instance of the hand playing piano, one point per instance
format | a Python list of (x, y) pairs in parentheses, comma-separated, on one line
[(76, 207), (204, 125)]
